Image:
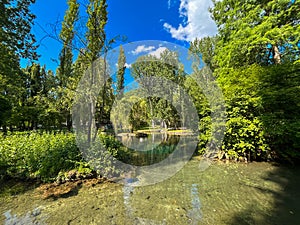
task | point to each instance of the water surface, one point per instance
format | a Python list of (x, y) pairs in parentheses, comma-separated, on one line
[(234, 193)]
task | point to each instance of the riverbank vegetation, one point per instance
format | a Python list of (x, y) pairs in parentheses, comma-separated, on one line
[(254, 59)]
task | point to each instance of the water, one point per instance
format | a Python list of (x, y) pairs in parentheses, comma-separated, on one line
[(150, 149), (223, 193), (128, 190), (195, 213), (29, 219)]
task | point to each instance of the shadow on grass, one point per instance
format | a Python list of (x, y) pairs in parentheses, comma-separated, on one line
[(286, 206)]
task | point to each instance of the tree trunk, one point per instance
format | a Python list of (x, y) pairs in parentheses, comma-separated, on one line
[(4, 129), (276, 54), (69, 121), (151, 113)]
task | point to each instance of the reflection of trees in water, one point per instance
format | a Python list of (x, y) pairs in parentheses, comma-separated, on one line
[(149, 150)]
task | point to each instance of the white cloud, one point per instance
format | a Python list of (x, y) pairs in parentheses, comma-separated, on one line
[(127, 65), (169, 4), (157, 52), (141, 49), (197, 22)]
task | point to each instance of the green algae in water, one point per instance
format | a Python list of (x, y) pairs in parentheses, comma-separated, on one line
[(234, 193)]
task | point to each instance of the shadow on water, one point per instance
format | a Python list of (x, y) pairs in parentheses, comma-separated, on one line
[(286, 203), (12, 187)]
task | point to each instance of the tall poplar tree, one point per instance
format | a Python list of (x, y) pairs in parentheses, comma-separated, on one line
[(67, 36), (121, 71), (96, 46), (97, 19), (65, 71)]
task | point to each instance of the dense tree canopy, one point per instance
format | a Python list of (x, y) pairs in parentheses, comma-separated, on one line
[(254, 58), (263, 32), (16, 41), (15, 33)]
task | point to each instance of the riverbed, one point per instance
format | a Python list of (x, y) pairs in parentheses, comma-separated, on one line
[(224, 193)]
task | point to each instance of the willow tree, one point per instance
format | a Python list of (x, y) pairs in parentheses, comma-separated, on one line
[(157, 76)]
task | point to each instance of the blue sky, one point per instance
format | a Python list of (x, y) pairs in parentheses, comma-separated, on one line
[(176, 21)]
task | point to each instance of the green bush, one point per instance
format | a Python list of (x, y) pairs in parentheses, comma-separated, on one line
[(263, 111), (37, 155), (245, 133), (281, 117), (42, 155), (245, 137)]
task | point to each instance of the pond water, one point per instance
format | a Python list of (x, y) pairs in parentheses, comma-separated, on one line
[(158, 149), (224, 193)]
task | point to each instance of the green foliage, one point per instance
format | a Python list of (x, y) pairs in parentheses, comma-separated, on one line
[(139, 115), (36, 100), (203, 109), (103, 153), (245, 137), (65, 73), (205, 49), (15, 21), (5, 110), (205, 133), (262, 111), (111, 144), (280, 95), (263, 32), (16, 41), (121, 71), (96, 36), (146, 69), (37, 155), (255, 58), (244, 129)]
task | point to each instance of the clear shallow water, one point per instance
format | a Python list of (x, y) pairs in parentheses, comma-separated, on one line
[(151, 149), (254, 193)]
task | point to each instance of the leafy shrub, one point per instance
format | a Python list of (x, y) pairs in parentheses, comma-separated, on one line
[(281, 117), (263, 111), (244, 134), (245, 137), (37, 155)]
